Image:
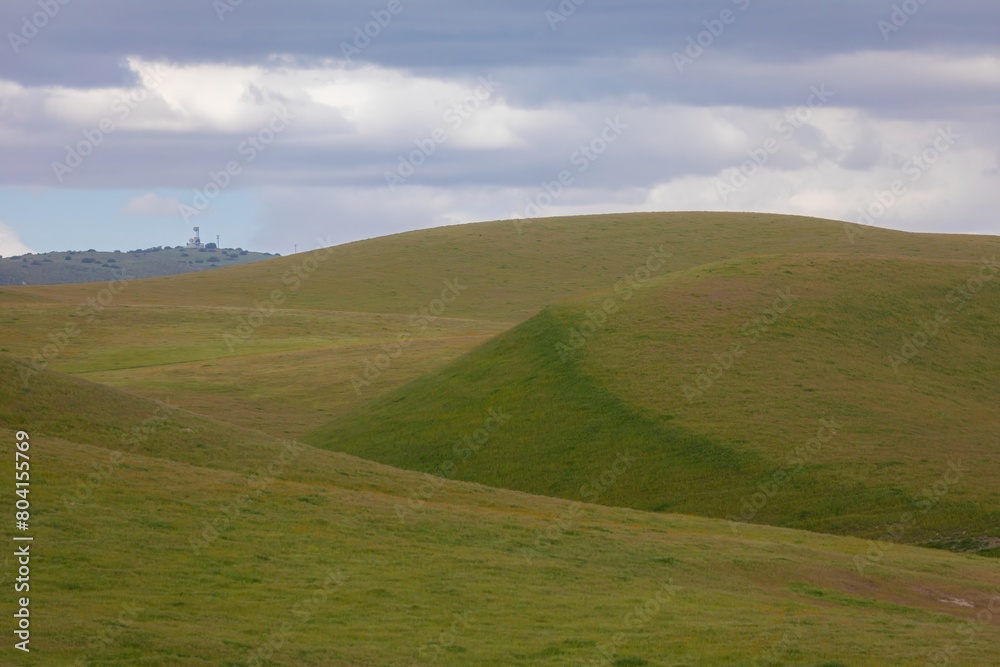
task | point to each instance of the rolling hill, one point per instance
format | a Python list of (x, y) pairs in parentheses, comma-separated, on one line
[(718, 382), (509, 270), (650, 439), (685, 287), (168, 539)]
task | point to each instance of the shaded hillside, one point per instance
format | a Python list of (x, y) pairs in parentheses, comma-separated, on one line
[(213, 532), (718, 386)]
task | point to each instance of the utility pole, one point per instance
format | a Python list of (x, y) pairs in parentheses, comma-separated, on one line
[(218, 241), (296, 249)]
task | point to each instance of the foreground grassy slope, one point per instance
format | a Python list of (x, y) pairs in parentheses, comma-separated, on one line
[(324, 560), (578, 396), (507, 275)]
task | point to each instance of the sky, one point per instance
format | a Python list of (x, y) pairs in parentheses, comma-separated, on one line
[(275, 124)]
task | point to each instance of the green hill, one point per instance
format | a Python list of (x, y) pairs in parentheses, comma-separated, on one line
[(341, 308), (290, 375), (164, 538), (716, 382), (686, 286), (509, 276), (189, 532), (59, 268)]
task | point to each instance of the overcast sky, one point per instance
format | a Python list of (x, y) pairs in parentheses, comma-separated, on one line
[(123, 124)]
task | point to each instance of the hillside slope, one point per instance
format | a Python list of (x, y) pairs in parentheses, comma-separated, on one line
[(321, 321), (287, 375), (169, 540), (763, 389), (505, 275)]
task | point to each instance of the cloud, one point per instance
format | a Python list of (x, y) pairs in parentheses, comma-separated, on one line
[(152, 204), (435, 35), (10, 243), (155, 109)]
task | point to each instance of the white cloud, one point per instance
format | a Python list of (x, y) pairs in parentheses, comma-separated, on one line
[(950, 196), (10, 244), (334, 105), (352, 124), (152, 204)]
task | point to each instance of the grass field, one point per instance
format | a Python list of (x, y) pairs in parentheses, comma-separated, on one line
[(290, 376), (670, 370), (509, 275), (582, 388), (170, 554)]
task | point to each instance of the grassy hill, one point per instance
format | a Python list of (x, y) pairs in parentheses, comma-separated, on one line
[(509, 276), (718, 380), (295, 370), (685, 285), (58, 268), (165, 538), (192, 532), (291, 375)]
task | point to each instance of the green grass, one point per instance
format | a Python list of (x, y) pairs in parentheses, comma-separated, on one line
[(510, 276), (290, 376), (216, 554), (320, 567), (572, 412)]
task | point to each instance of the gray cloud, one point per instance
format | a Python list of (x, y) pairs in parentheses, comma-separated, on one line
[(689, 126), (84, 42)]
